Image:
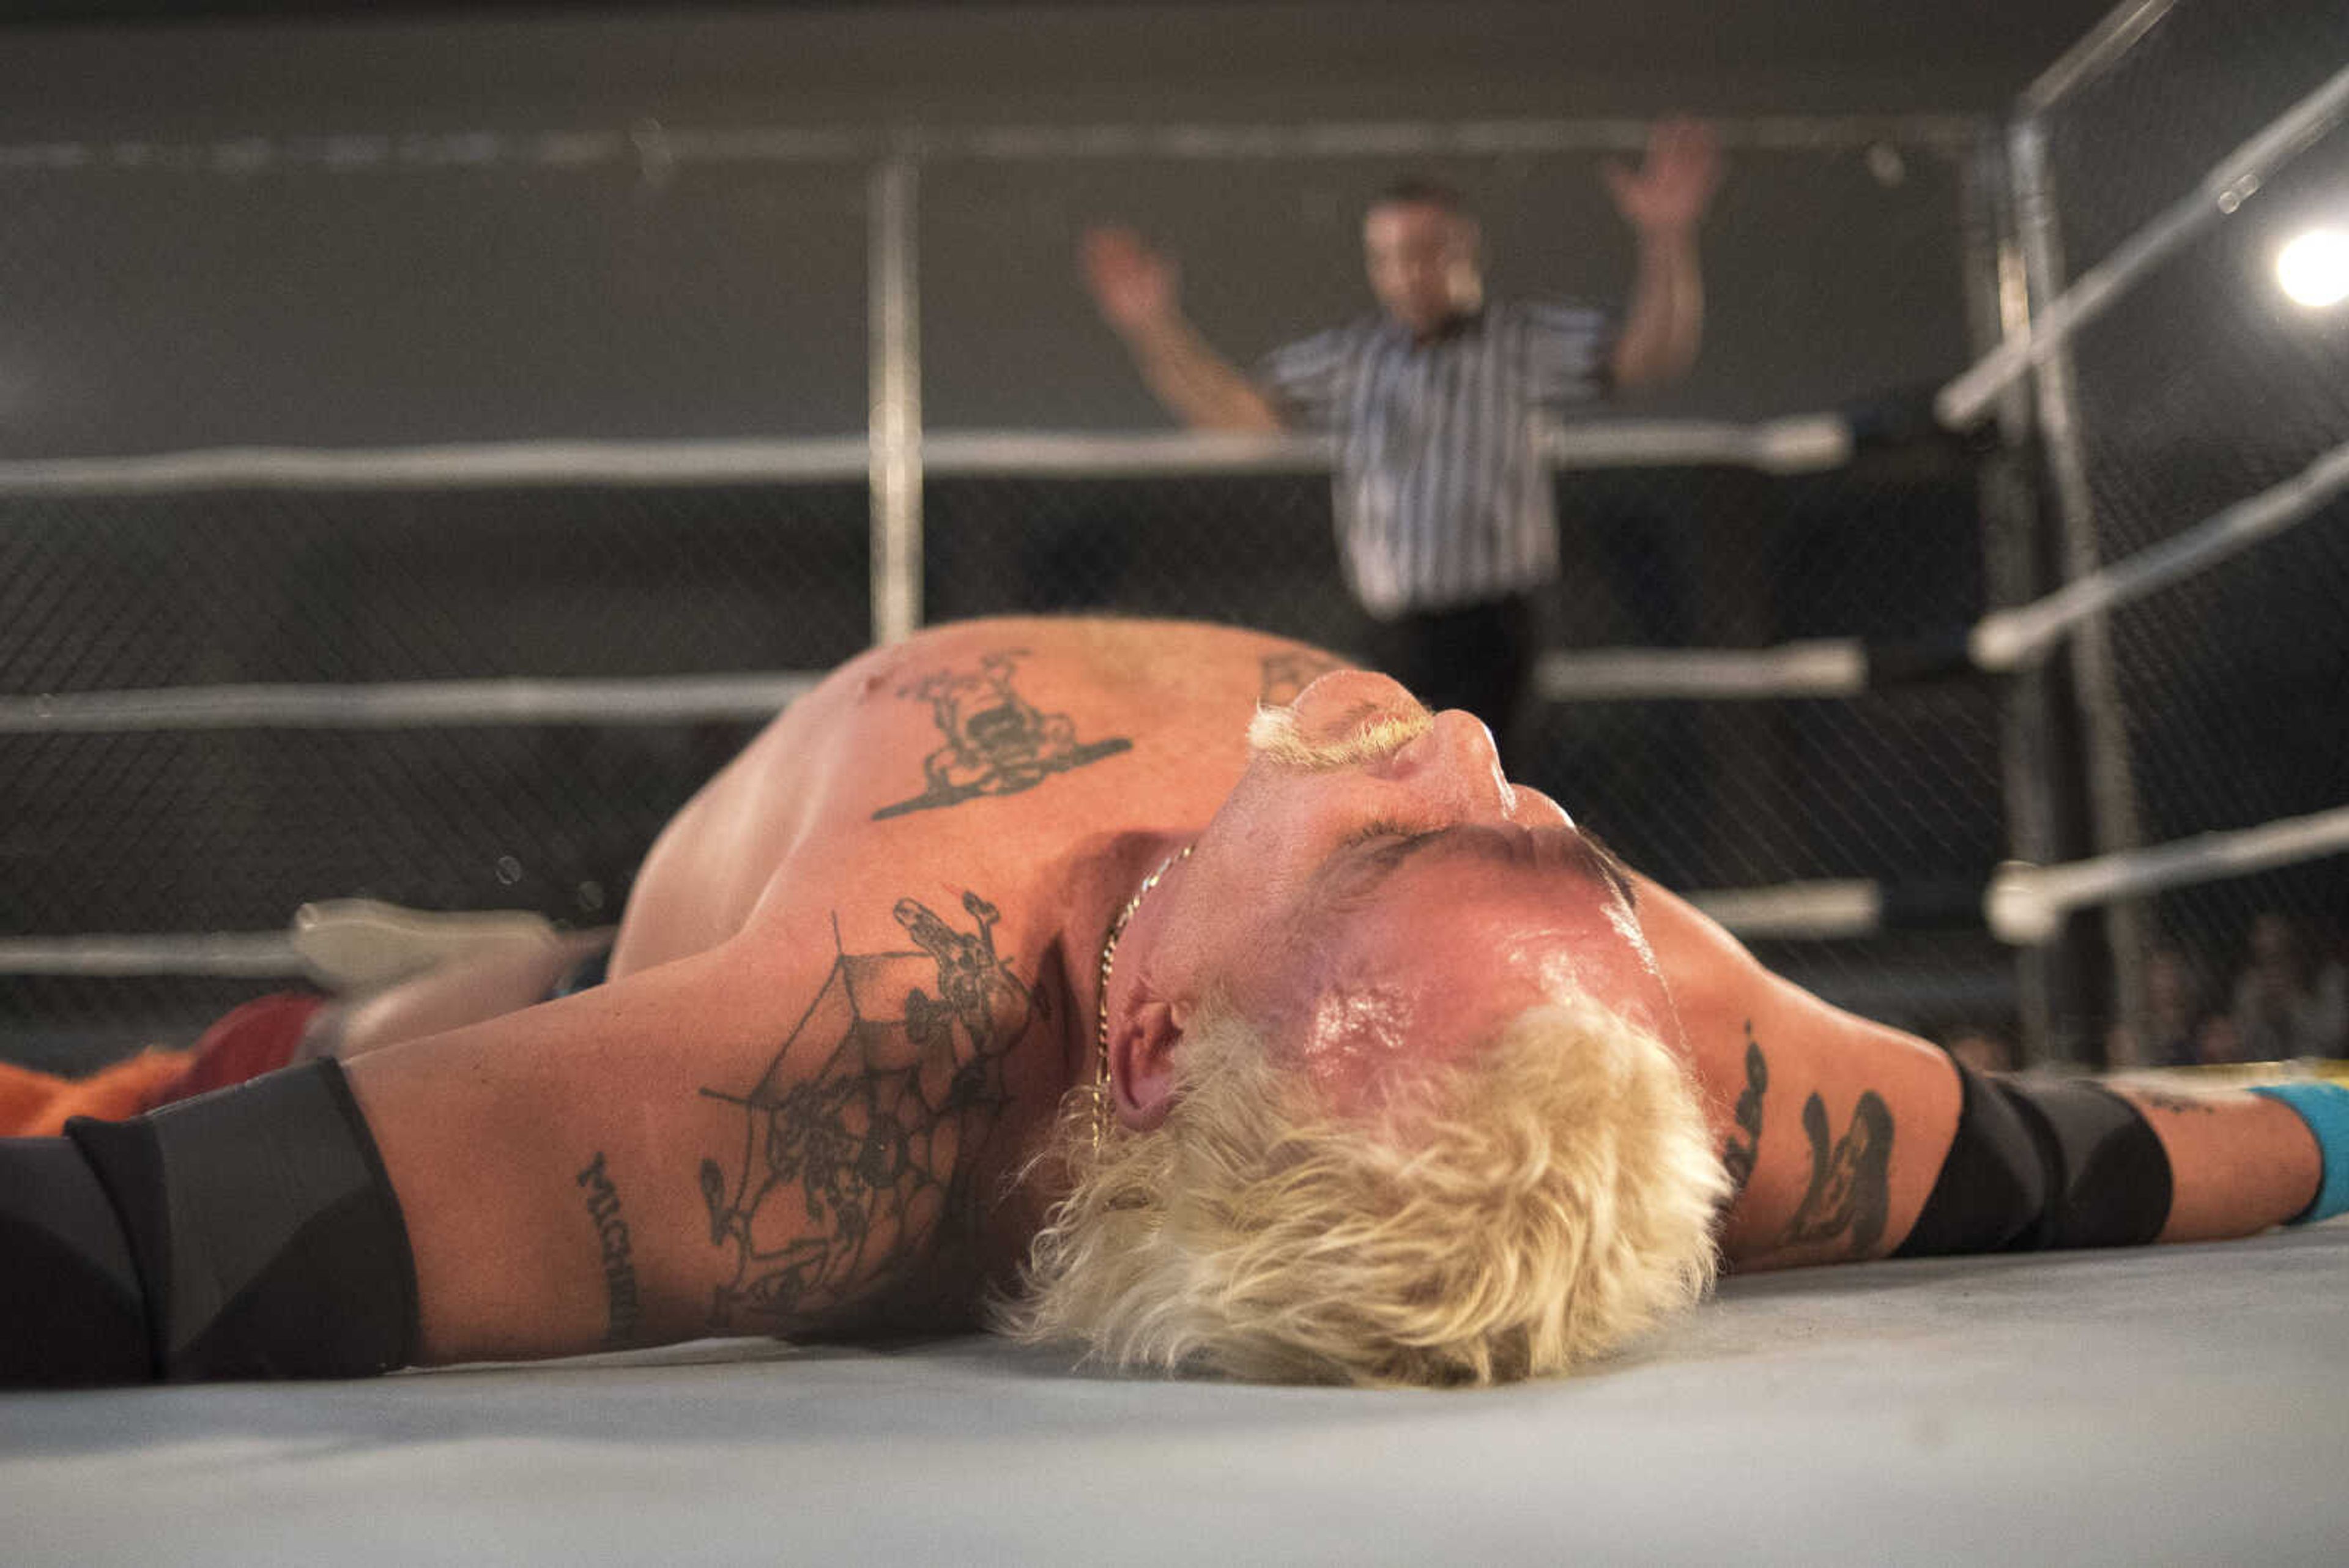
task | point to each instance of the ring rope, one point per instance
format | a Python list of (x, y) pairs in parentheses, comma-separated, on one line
[(1999, 643), (2229, 183), (392, 705), (2022, 905), (1797, 444), (2006, 640)]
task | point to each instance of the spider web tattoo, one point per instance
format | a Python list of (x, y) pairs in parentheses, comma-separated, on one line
[(856, 1174)]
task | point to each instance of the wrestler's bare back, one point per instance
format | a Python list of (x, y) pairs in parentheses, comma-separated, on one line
[(986, 751)]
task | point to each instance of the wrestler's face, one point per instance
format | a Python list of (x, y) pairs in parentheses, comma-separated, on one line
[(1377, 892), (1421, 261)]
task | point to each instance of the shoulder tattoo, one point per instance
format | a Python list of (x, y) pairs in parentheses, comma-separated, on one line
[(993, 740), (858, 1173), (1744, 1146), (1850, 1188)]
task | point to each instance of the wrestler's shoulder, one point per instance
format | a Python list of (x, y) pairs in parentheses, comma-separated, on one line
[(1104, 647)]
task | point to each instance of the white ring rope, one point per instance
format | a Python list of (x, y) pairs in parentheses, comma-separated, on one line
[(2000, 642), (1823, 668), (235, 955), (1834, 667), (655, 147), (456, 467), (2006, 640), (2231, 182), (656, 700), (1817, 911), (2105, 46), (2024, 905), (1805, 443), (1801, 444), (1826, 669)]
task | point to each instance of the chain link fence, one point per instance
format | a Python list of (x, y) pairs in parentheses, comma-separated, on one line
[(1900, 786), (422, 310), (169, 830), (2204, 386)]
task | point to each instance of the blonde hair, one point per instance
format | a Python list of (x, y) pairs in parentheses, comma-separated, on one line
[(1509, 1217)]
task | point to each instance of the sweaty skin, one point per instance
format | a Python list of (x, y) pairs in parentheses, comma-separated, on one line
[(858, 972)]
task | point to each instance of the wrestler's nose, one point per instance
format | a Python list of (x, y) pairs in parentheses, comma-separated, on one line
[(1535, 809), (1334, 704), (1457, 762)]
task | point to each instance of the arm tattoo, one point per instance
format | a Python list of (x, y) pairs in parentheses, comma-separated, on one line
[(1287, 674), (997, 742), (2180, 1105), (1739, 1149), (619, 1267), (861, 1135), (1850, 1190)]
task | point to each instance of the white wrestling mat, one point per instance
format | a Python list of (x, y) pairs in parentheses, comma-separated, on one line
[(2177, 1405)]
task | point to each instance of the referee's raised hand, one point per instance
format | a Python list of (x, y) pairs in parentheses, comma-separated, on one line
[(1132, 286), (1674, 182)]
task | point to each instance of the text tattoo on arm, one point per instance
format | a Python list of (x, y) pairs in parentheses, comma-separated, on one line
[(2177, 1105), (619, 1264), (858, 1171), (995, 741)]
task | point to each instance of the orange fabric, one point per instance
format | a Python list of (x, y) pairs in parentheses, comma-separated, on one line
[(36, 1104), (258, 1037)]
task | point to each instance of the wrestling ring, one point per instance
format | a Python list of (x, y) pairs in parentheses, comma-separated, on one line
[(1997, 697)]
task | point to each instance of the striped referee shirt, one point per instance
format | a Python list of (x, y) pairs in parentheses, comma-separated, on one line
[(1441, 492)]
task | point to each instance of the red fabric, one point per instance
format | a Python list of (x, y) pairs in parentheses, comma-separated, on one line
[(256, 1038), (259, 1037)]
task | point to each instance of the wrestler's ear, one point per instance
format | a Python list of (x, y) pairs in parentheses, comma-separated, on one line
[(1142, 1063)]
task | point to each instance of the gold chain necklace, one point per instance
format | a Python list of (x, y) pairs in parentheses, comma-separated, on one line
[(1109, 956)]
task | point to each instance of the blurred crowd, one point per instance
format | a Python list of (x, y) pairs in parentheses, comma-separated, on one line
[(2283, 995), (2287, 997)]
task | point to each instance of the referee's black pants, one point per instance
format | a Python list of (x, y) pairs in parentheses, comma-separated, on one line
[(1479, 657)]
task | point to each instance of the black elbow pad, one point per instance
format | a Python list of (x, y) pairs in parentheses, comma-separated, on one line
[(2037, 1166)]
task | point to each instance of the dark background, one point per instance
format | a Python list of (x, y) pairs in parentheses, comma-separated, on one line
[(366, 305), (336, 230)]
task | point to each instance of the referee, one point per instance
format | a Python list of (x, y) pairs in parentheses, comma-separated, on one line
[(1445, 519)]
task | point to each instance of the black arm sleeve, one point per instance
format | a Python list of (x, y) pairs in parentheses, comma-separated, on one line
[(2044, 1165)]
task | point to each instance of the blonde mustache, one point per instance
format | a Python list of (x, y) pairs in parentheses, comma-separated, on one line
[(1274, 735)]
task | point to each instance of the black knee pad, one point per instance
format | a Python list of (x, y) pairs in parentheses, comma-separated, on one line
[(267, 1241), (2038, 1166)]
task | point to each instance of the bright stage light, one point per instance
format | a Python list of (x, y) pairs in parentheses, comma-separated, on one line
[(2313, 269)]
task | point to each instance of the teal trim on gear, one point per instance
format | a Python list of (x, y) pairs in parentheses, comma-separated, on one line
[(2325, 1108)]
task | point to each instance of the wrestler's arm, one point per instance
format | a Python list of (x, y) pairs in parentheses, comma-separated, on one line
[(603, 1170), (1842, 1126), (452, 994), (2238, 1162), (512, 1143)]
